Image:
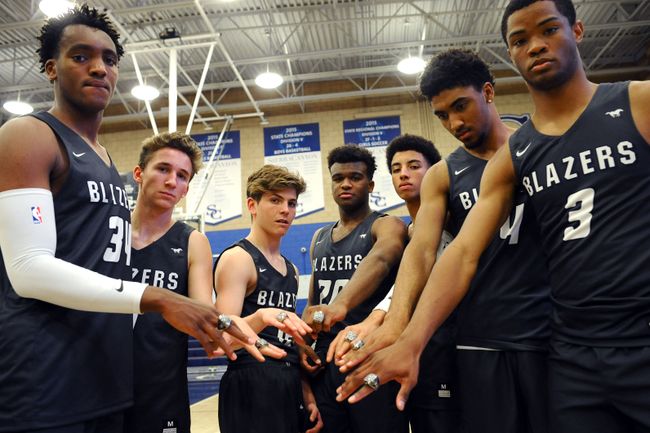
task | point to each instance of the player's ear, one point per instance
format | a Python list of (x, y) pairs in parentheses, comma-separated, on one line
[(371, 186), (137, 174), (50, 70)]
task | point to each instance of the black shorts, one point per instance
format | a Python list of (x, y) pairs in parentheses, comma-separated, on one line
[(503, 391), (159, 408), (432, 406), (599, 389), (111, 423), (376, 413), (261, 398)]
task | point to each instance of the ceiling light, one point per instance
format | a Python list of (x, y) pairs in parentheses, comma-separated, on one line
[(411, 65), (268, 80), (145, 92), (54, 8), (18, 107)]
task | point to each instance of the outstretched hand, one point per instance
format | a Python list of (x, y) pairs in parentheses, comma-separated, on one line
[(382, 337)]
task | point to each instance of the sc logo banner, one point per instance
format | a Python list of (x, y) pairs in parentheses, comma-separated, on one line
[(377, 199), (212, 212)]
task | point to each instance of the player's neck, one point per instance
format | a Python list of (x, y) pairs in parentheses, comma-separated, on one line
[(149, 224), (85, 124), (413, 206), (497, 136), (267, 243), (353, 217), (557, 109)]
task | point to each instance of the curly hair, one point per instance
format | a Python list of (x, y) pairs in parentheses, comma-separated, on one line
[(53, 28), (352, 153), (454, 68), (173, 140), (271, 178), (564, 7), (415, 143)]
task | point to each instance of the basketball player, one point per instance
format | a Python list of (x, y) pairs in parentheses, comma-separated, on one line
[(432, 406), (254, 279), (65, 243), (503, 319), (353, 266), (168, 254)]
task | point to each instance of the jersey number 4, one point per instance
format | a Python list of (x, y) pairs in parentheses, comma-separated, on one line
[(120, 241)]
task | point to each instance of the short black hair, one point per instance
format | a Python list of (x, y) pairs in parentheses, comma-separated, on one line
[(352, 153), (415, 143), (564, 7), (454, 68), (53, 28)]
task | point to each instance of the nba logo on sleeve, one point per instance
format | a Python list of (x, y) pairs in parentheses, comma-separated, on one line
[(36, 215)]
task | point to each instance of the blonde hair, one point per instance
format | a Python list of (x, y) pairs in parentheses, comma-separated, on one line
[(271, 178), (174, 140)]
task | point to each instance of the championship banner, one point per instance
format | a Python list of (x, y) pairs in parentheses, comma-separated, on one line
[(375, 134), (297, 147), (222, 200)]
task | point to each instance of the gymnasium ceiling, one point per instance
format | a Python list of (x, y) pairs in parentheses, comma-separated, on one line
[(331, 53)]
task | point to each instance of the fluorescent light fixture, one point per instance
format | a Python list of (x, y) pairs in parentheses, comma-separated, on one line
[(53, 8), (268, 80), (145, 92), (411, 65), (18, 107)]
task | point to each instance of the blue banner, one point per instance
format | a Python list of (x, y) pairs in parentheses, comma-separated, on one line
[(285, 140), (230, 143), (371, 132)]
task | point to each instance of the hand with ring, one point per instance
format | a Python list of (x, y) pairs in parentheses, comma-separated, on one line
[(322, 317), (344, 342), (285, 321), (258, 347), (397, 362), (382, 336)]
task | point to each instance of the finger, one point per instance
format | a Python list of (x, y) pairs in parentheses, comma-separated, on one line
[(254, 351), (311, 353), (353, 358), (273, 351), (333, 345), (351, 383), (403, 395), (302, 324), (239, 334), (362, 393), (213, 339)]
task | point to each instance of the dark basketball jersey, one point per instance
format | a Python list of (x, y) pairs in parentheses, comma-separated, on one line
[(333, 266), (60, 365), (160, 351), (507, 305), (590, 190), (273, 290)]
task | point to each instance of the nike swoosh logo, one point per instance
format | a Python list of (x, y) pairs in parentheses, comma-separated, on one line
[(457, 172), (318, 242), (520, 153), (79, 155), (262, 270), (121, 286)]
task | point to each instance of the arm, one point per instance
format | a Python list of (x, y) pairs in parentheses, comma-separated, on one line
[(445, 287), (311, 407), (234, 278), (415, 267), (390, 236), (200, 268), (32, 168), (640, 106)]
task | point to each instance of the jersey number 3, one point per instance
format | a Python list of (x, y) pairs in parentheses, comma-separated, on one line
[(580, 204), (120, 241)]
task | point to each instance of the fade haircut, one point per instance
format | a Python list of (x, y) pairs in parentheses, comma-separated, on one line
[(53, 28), (564, 7), (352, 153), (271, 178), (172, 140), (451, 69), (415, 143)]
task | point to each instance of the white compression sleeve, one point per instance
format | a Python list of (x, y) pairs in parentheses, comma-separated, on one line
[(384, 304), (28, 243)]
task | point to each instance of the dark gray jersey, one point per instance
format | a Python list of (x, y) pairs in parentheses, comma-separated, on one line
[(507, 305), (590, 190), (60, 365), (333, 265), (160, 351), (273, 290)]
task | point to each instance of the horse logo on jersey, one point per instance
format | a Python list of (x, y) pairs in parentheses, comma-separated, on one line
[(615, 113), (36, 215), (177, 250)]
